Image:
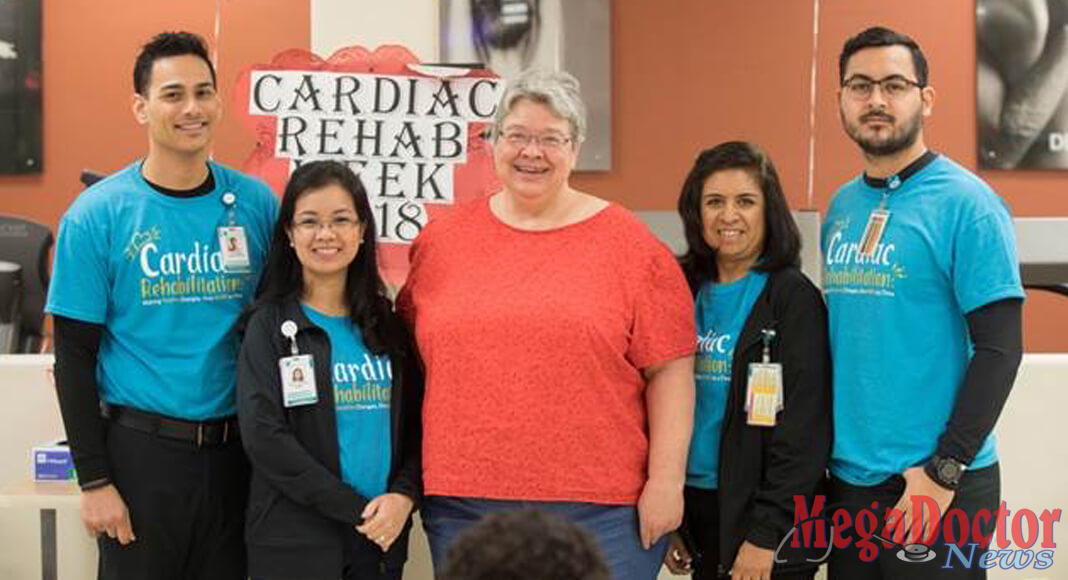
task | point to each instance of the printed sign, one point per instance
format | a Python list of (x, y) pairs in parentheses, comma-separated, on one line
[(413, 133)]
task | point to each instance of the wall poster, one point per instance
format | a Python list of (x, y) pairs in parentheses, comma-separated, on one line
[(1022, 83), (509, 36), (20, 86)]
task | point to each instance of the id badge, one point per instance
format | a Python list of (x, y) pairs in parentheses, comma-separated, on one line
[(763, 394), (298, 380), (234, 248), (873, 231)]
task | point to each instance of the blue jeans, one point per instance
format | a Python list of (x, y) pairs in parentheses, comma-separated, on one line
[(614, 528)]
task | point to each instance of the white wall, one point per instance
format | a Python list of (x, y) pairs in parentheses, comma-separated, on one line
[(370, 23)]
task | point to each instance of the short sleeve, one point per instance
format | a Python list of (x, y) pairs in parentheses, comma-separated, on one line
[(405, 303), (80, 287), (663, 327), (985, 264), (270, 210)]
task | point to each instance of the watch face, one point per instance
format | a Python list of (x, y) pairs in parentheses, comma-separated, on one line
[(949, 470)]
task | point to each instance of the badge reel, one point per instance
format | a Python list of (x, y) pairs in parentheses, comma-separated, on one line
[(297, 372), (232, 242), (763, 396)]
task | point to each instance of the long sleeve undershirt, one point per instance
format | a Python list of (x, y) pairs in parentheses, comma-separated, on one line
[(997, 334), (77, 344)]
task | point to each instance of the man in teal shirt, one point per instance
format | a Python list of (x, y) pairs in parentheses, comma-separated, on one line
[(153, 265), (924, 297)]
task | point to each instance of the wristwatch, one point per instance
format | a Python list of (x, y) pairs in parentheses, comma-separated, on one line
[(945, 471)]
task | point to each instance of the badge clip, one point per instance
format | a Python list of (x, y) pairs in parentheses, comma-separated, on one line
[(768, 336), (289, 330)]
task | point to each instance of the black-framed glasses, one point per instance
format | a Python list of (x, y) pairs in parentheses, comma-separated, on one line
[(893, 87)]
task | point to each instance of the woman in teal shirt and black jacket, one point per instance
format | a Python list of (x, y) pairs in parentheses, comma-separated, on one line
[(754, 447), (329, 392)]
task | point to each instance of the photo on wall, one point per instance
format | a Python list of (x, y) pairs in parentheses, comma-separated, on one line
[(20, 86), (509, 36), (1022, 83)]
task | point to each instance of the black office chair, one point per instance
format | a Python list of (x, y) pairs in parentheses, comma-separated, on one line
[(27, 244)]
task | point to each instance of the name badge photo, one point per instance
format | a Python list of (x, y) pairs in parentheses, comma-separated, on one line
[(234, 249), (298, 380)]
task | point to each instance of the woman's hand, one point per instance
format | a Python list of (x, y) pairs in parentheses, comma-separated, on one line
[(678, 559), (384, 518), (752, 563), (659, 511)]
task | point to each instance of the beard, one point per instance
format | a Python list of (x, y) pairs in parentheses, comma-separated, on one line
[(901, 136)]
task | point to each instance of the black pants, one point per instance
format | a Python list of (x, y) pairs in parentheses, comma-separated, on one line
[(360, 563), (187, 507), (701, 521), (979, 489)]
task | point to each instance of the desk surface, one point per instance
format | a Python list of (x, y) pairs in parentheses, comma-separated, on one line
[(62, 488), (41, 495)]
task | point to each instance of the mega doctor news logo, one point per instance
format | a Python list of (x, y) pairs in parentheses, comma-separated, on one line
[(1021, 540)]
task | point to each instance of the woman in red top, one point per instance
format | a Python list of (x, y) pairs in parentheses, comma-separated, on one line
[(558, 337)]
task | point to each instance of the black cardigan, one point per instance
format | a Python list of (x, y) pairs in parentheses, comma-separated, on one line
[(299, 509), (761, 469)]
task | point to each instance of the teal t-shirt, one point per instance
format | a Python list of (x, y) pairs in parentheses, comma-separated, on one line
[(148, 268), (721, 311), (362, 385), (899, 337)]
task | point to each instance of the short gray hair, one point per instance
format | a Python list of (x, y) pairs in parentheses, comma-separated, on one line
[(557, 90)]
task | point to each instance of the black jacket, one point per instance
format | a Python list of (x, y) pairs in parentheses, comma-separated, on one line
[(761, 469), (299, 509)]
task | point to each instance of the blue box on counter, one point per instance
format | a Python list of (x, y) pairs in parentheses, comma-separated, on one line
[(53, 462)]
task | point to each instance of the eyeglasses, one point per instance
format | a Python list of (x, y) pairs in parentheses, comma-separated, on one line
[(893, 87), (547, 142), (340, 225)]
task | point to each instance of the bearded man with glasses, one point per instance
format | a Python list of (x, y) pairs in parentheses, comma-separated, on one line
[(924, 298)]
